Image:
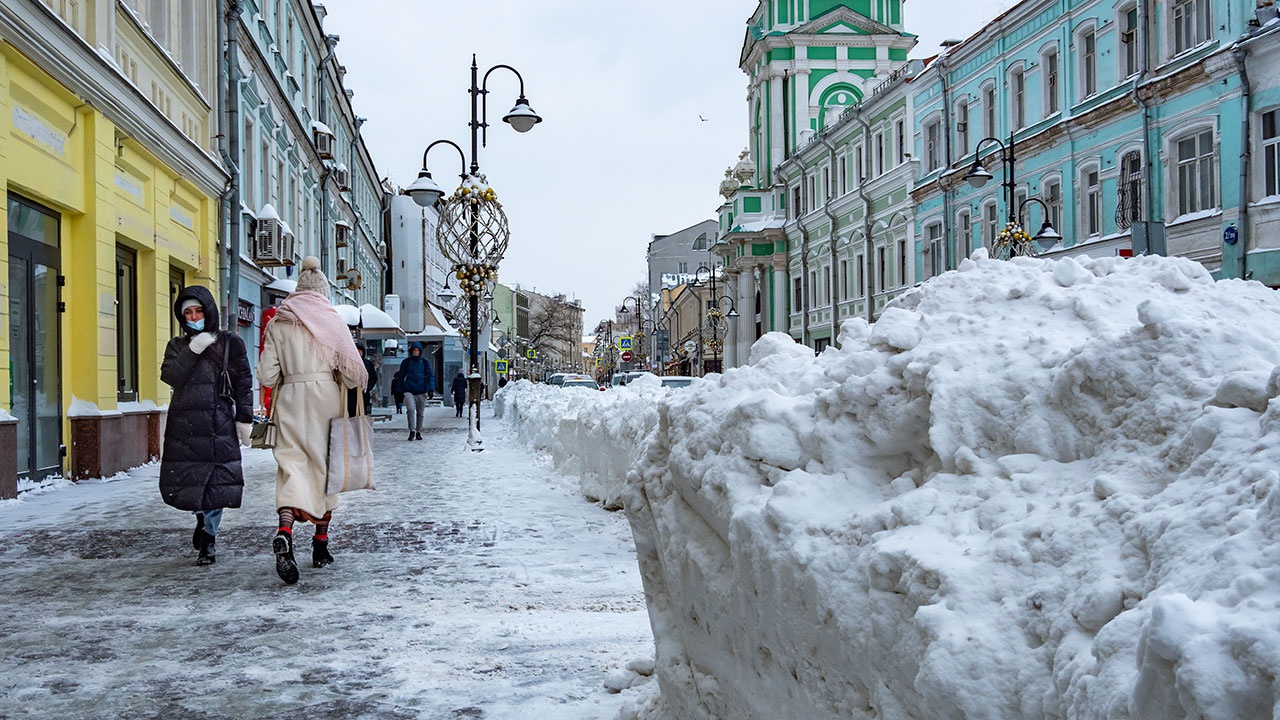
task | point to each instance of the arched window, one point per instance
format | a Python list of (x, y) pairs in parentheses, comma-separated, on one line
[(1129, 187)]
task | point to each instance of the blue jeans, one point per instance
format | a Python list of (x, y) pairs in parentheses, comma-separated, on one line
[(212, 518)]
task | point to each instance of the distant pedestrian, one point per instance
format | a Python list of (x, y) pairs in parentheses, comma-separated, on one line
[(459, 390), (372, 385), (397, 392), (210, 417), (418, 382), (311, 361), (502, 382)]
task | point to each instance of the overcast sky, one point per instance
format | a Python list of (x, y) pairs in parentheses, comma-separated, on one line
[(643, 105)]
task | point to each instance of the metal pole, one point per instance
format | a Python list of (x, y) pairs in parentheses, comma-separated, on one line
[(1008, 177), (473, 379)]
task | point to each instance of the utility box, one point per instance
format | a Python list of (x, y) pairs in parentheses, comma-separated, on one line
[(1148, 238)]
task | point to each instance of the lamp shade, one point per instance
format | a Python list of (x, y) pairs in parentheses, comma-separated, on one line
[(522, 117), (424, 191), (977, 176), (1047, 237)]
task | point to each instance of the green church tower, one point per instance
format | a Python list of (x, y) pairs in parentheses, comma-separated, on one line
[(809, 60)]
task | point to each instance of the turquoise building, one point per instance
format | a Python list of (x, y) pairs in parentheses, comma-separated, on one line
[(1128, 127)]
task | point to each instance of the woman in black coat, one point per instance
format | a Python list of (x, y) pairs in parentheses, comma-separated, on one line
[(210, 416), (459, 390)]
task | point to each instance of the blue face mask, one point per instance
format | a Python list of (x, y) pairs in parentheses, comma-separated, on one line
[(196, 325)]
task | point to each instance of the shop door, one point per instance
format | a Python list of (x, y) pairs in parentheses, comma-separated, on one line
[(35, 387)]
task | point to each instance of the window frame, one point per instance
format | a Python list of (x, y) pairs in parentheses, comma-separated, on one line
[(1016, 77), (1091, 207), (1270, 147), (1179, 168), (1128, 41), (1051, 80), (1201, 19), (127, 324), (1087, 61)]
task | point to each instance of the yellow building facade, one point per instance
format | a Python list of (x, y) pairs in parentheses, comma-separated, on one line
[(111, 206)]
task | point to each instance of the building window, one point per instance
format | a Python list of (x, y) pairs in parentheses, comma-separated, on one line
[(962, 125), (1129, 192), (844, 279), (1088, 63), (1129, 42), (247, 166), (1191, 24), (1197, 171), (826, 183), (964, 232), (844, 174), (1092, 209), (1052, 90), (900, 140), (813, 289), (826, 285), (861, 274), (933, 145), (882, 270), (937, 253), (1053, 198), (989, 111), (902, 263), (858, 164), (879, 154), (1018, 89), (126, 325), (1271, 151), (795, 201), (990, 224)]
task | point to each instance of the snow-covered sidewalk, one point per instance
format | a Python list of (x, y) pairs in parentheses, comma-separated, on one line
[(473, 585)]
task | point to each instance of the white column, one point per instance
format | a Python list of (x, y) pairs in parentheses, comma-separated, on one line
[(747, 307), (781, 291)]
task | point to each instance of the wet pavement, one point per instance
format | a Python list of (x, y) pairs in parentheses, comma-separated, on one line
[(469, 585)]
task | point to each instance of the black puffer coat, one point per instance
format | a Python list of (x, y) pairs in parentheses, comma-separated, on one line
[(200, 469)]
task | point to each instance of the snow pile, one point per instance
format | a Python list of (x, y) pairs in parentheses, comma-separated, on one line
[(590, 434), (1032, 489)]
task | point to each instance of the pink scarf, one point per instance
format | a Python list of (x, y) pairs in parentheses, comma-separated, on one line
[(330, 338)]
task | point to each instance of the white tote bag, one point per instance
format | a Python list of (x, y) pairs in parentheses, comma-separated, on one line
[(350, 451)]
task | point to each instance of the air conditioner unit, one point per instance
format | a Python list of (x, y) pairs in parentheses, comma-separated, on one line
[(962, 126), (323, 138), (342, 269), (342, 177), (268, 242), (341, 234), (288, 244)]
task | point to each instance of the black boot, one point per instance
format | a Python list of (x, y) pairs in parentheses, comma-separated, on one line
[(286, 566), (195, 534), (410, 434), (207, 553), (320, 553), (417, 436)]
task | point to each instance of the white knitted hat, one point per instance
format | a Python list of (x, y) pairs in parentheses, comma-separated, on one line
[(311, 278), (189, 302)]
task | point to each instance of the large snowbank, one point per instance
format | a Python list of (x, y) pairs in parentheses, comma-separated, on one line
[(1032, 489)]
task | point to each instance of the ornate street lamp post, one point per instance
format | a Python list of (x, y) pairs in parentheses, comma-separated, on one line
[(472, 232), (715, 318), (1012, 240)]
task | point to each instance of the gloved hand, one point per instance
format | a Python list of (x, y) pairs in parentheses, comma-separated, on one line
[(244, 430), (202, 341)]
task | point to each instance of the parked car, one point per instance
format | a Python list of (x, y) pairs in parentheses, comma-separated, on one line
[(677, 381), (558, 379), (622, 378), (580, 382)]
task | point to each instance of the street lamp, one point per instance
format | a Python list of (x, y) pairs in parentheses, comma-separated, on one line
[(715, 316), (1012, 240), (638, 336), (472, 232), (1047, 237)]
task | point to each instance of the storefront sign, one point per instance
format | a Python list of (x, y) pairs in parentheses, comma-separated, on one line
[(244, 313)]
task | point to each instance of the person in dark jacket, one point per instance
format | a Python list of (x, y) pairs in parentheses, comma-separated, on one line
[(370, 368), (459, 390), (418, 382), (397, 392), (210, 416)]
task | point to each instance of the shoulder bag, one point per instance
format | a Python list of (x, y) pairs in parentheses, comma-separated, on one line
[(263, 434), (350, 450)]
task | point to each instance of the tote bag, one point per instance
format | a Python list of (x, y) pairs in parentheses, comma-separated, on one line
[(350, 451)]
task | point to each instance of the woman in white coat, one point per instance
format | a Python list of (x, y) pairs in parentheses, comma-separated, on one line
[(309, 360)]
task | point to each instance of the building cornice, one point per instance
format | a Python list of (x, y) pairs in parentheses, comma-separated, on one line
[(34, 31)]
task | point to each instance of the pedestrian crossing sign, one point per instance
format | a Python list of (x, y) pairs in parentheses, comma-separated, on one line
[(500, 367), (624, 342), (531, 353)]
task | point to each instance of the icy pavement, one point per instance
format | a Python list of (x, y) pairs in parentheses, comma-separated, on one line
[(469, 585)]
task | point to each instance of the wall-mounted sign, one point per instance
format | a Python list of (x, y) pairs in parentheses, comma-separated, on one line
[(500, 367), (244, 313)]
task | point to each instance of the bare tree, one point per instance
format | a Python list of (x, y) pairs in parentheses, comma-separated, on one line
[(555, 328)]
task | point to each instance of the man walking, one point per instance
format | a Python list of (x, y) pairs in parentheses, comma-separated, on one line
[(418, 382)]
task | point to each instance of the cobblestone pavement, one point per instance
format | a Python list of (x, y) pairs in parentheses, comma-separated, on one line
[(469, 585)]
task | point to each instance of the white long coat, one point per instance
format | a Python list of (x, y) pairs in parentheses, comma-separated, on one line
[(305, 397)]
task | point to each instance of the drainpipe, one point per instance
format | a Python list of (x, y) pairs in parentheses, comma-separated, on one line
[(229, 147), (322, 112), (868, 263), (835, 306), (804, 266), (944, 75), (1241, 52), (1143, 68)]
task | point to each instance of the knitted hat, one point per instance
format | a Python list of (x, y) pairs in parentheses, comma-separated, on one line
[(189, 302), (311, 278)]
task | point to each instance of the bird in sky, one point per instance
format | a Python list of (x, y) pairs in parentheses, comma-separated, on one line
[(702, 118)]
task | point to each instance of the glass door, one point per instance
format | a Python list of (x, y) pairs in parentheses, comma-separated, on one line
[(35, 387)]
